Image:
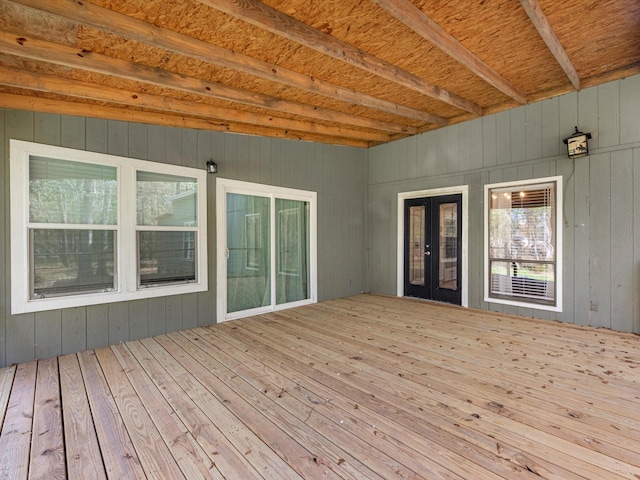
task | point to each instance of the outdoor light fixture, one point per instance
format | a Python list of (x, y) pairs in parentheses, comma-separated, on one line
[(212, 167), (577, 145)]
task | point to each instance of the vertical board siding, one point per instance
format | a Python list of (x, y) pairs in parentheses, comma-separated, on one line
[(489, 141), (551, 144), (565, 168), (533, 130), (622, 264), (47, 128), (582, 232), (600, 241), (19, 329), (48, 334), (630, 110), (600, 215), (608, 114), (337, 174), (74, 330)]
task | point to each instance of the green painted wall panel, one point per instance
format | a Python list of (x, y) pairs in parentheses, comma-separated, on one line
[(601, 223), (337, 174)]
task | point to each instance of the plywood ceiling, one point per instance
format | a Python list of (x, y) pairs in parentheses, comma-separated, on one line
[(348, 72)]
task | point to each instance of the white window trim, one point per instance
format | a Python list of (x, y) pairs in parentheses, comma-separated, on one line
[(558, 247), (126, 256), (224, 186)]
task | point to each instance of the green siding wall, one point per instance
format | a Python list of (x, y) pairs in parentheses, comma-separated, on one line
[(336, 173), (601, 214)]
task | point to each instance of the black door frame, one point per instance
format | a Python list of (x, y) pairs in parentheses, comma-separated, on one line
[(430, 251), (439, 192)]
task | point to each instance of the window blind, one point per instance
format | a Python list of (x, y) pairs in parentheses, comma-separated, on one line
[(522, 241)]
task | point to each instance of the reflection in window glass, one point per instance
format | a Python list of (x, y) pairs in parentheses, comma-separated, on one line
[(62, 191), (293, 250), (522, 243), (416, 245), (167, 200), (248, 241), (66, 262), (448, 254), (166, 257)]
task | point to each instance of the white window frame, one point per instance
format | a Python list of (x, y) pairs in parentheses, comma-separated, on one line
[(224, 186), (126, 229), (557, 181)]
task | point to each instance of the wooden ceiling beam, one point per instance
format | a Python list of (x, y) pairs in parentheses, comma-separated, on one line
[(134, 29), (274, 21), (48, 105), (414, 18), (85, 60), (540, 21), (60, 86)]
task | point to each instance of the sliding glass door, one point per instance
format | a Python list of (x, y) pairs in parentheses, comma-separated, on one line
[(266, 245), (248, 247)]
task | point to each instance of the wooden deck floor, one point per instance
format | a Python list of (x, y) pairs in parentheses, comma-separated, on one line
[(368, 387)]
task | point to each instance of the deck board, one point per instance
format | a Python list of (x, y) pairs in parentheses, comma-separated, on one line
[(47, 445), (15, 435), (366, 387), (6, 382), (81, 445)]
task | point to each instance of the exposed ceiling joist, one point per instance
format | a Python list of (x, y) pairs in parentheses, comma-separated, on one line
[(48, 105), (134, 29), (84, 60), (265, 67), (274, 21), (539, 19), (407, 13), (48, 83)]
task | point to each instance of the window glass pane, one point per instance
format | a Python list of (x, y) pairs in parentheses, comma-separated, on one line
[(293, 248), (523, 281), (166, 257), (68, 262), (522, 243), (521, 225), (416, 242), (248, 263), (448, 254), (62, 191), (166, 200)]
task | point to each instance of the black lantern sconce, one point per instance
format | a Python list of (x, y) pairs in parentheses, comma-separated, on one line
[(577, 144), (212, 167)]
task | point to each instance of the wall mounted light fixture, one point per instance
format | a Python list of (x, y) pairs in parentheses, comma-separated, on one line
[(577, 144), (212, 167)]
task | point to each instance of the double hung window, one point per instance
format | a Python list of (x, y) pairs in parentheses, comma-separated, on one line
[(90, 228), (523, 243)]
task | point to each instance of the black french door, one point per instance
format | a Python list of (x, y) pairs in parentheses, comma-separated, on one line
[(433, 248)]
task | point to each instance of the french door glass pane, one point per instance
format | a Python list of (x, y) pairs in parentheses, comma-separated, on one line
[(68, 262), (416, 244), (249, 259), (292, 251), (166, 257), (448, 258)]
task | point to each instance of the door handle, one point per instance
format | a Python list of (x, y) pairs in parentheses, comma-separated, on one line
[(427, 253)]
